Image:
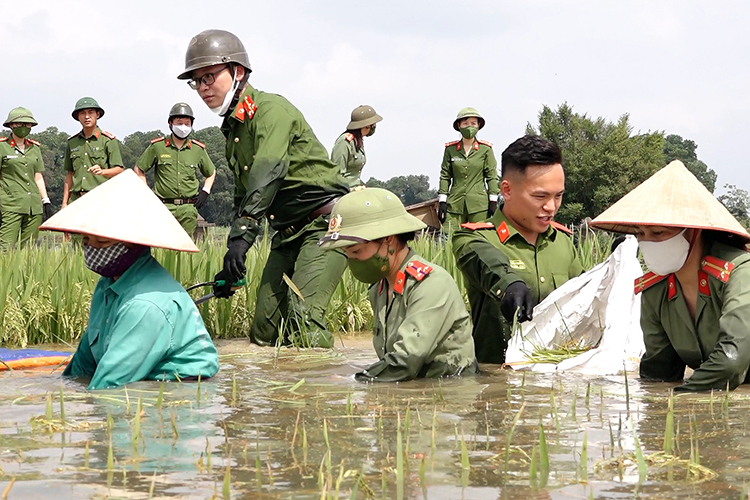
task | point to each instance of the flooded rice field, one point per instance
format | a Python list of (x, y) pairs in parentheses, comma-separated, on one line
[(295, 425)]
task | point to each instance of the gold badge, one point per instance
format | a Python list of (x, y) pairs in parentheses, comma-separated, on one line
[(334, 225)]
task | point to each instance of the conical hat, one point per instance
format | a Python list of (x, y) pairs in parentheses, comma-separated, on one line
[(673, 196), (124, 209)]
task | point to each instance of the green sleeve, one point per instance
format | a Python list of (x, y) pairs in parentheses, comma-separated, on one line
[(340, 153), (148, 159), (114, 158), (445, 173), (139, 340), (207, 167), (490, 173), (83, 363), (730, 359), (273, 134), (428, 319), (39, 162), (660, 362), (68, 163), (484, 266)]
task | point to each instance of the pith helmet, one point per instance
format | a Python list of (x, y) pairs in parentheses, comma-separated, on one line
[(367, 215), (87, 103), (211, 47), (181, 109), (468, 113), (116, 210), (20, 115), (363, 116), (673, 196)]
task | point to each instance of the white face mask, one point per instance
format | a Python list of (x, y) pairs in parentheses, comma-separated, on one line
[(181, 131), (665, 257), (222, 110)]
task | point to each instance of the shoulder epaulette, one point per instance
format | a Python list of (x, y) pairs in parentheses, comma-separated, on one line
[(73, 136), (478, 225), (453, 143), (349, 136), (3, 139), (158, 139), (198, 143), (486, 143), (718, 268), (108, 134), (417, 269), (647, 281), (561, 227), (33, 141)]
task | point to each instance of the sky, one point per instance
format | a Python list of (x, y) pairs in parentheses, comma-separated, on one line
[(677, 66)]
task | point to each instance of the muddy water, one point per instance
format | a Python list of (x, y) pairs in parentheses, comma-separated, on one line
[(294, 424)]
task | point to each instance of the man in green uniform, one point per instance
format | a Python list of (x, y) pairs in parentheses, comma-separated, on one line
[(516, 258), (176, 160), (23, 194), (468, 175), (92, 155), (421, 325), (282, 172)]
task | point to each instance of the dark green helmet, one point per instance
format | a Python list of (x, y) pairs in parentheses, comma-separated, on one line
[(181, 109), (363, 116), (87, 103), (467, 113), (212, 47), (367, 215), (20, 115)]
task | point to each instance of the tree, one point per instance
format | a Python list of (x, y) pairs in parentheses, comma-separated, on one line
[(409, 188), (602, 160), (54, 144), (737, 202), (219, 208), (677, 148)]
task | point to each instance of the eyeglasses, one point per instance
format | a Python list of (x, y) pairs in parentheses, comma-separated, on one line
[(207, 79)]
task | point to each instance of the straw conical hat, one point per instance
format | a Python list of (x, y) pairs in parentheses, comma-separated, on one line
[(124, 209), (673, 196)]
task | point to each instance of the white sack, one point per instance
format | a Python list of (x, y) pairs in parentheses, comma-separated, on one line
[(600, 298)]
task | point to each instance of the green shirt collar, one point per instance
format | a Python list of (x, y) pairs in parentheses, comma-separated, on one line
[(499, 218)]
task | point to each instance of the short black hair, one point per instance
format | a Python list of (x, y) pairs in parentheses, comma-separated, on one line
[(405, 238), (529, 150)]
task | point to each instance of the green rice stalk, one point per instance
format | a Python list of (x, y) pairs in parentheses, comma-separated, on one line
[(669, 426)]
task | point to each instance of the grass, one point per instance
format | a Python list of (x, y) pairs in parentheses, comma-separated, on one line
[(45, 290)]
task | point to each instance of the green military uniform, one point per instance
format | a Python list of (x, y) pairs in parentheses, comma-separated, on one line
[(717, 343), (100, 149), (351, 160), (468, 179), (20, 202), (424, 330), (283, 172), (175, 175), (491, 256)]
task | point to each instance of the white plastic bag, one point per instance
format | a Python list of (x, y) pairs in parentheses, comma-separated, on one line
[(596, 308)]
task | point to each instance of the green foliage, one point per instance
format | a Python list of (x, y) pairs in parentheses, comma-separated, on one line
[(603, 160), (410, 189), (677, 148), (219, 207), (737, 202)]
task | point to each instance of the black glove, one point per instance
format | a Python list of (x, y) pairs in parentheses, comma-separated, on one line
[(234, 259), (225, 291), (617, 242), (202, 197), (48, 211), (516, 296), (442, 211), (492, 209)]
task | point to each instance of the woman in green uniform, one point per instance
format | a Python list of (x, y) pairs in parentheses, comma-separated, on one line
[(349, 149), (421, 326), (469, 185), (23, 194), (695, 305)]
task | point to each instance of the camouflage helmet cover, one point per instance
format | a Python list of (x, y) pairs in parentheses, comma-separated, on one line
[(212, 47), (366, 215), (20, 115)]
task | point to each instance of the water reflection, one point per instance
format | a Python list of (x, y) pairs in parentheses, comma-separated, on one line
[(294, 424)]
